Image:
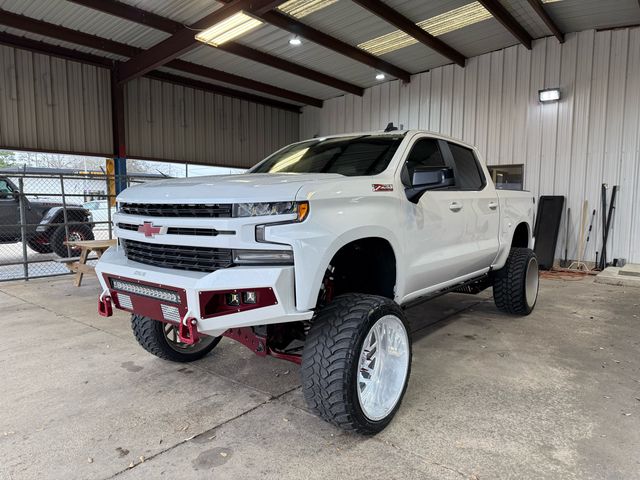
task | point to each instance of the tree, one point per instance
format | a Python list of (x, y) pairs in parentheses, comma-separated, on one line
[(7, 158)]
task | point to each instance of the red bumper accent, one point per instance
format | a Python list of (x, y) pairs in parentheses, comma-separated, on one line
[(105, 308), (189, 333), (215, 303)]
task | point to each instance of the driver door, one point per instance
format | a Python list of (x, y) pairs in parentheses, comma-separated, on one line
[(434, 226)]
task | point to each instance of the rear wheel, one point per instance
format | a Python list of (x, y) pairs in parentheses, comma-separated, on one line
[(356, 362), (515, 286), (161, 339), (77, 233)]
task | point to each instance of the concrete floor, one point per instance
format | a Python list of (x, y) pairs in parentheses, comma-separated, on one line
[(553, 395)]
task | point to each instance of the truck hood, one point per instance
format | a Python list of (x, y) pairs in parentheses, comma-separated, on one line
[(247, 187)]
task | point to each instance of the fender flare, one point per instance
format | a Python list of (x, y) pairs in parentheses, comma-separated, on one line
[(505, 248), (341, 241)]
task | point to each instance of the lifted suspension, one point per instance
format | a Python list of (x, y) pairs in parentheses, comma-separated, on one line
[(259, 345)]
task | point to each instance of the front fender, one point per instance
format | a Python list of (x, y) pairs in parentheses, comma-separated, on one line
[(313, 250)]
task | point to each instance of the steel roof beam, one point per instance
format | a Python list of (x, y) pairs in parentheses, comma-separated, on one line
[(398, 20), (131, 13), (54, 50), (137, 15), (546, 18), (80, 38), (289, 24), (506, 19), (184, 40)]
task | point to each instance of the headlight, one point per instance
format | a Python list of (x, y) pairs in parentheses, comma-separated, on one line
[(260, 209), (263, 257)]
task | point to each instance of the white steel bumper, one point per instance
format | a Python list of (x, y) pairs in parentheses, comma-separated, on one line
[(192, 285)]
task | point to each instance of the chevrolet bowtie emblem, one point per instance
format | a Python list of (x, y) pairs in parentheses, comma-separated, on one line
[(149, 230)]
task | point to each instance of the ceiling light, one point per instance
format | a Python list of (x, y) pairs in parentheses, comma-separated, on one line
[(438, 25), (295, 41), (380, 76), (302, 8), (228, 29), (549, 95)]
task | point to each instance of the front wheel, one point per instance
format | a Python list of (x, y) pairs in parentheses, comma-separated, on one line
[(161, 339), (356, 362), (515, 286), (37, 245), (77, 233)]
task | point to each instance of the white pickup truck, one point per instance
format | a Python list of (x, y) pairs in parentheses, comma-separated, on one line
[(313, 255)]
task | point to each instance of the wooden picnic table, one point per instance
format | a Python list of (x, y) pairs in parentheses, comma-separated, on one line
[(78, 264)]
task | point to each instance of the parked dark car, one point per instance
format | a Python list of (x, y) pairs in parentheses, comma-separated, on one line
[(45, 229)]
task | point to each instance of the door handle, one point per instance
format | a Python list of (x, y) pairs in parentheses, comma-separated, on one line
[(493, 205), (455, 207)]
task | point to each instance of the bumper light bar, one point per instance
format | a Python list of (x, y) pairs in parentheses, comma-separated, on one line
[(145, 291)]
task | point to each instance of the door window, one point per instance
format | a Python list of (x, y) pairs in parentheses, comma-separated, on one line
[(425, 153), (468, 176), (5, 189)]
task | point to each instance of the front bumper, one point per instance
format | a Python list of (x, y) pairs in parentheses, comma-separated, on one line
[(190, 286)]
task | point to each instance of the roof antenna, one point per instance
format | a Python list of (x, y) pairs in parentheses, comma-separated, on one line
[(390, 127)]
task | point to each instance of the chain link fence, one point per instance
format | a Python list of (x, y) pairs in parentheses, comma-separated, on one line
[(40, 212)]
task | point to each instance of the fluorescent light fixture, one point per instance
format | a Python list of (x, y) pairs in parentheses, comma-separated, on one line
[(228, 29), (295, 41), (549, 95), (302, 8), (438, 25), (380, 76)]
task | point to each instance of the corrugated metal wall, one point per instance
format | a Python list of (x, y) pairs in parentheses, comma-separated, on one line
[(592, 136), (47, 103), (166, 121)]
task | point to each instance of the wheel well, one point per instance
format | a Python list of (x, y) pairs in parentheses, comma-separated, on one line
[(74, 214), (521, 236), (367, 265)]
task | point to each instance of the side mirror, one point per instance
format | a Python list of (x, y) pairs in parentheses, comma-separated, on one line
[(429, 178)]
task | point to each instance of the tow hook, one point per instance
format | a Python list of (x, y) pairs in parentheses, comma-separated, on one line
[(105, 308), (188, 331)]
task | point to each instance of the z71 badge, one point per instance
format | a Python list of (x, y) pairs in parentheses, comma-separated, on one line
[(382, 187)]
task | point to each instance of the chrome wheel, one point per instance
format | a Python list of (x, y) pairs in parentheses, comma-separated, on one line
[(382, 367), (173, 340), (531, 282)]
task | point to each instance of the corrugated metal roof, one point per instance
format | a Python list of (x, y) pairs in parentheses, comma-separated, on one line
[(577, 15), (83, 19), (53, 41), (343, 19), (527, 17), (186, 12), (214, 58)]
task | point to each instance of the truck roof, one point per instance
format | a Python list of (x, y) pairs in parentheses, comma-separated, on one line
[(396, 133)]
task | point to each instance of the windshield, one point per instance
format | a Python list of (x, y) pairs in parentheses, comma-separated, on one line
[(350, 156)]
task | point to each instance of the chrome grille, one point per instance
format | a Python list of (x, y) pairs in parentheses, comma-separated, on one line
[(198, 259), (177, 210)]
